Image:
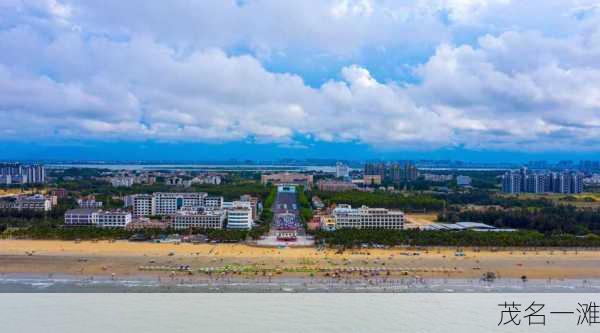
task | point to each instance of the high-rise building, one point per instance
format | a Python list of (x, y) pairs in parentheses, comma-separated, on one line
[(143, 205), (511, 182), (36, 174), (16, 173), (393, 173), (341, 170), (552, 182)]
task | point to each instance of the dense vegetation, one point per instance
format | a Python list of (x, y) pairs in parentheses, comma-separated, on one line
[(91, 233), (478, 197), (306, 213), (350, 238), (557, 219), (27, 217), (383, 199)]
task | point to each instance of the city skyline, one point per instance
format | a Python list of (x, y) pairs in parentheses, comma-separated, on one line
[(345, 79)]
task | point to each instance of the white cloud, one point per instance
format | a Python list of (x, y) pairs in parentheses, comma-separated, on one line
[(146, 74)]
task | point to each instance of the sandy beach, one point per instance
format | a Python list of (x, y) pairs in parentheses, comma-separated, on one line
[(124, 259)]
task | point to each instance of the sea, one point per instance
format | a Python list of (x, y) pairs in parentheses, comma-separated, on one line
[(296, 312)]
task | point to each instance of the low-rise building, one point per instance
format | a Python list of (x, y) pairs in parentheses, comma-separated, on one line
[(370, 180), (463, 180), (239, 216), (328, 222), (59, 193), (335, 186), (112, 219), (367, 218), (80, 217), (199, 219), (89, 203), (209, 179), (122, 181), (431, 177), (254, 204), (34, 202), (97, 218)]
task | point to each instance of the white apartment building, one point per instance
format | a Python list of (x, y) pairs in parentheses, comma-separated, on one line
[(341, 170), (143, 205), (104, 219), (213, 202), (89, 203), (34, 202), (97, 218), (166, 203), (207, 219), (79, 217), (367, 218), (239, 216)]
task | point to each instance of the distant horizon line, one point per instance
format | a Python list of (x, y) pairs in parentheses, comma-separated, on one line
[(286, 161)]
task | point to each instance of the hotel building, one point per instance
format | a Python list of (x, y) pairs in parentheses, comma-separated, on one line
[(97, 218), (367, 218), (199, 219), (239, 216)]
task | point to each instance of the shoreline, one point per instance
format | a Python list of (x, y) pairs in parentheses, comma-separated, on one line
[(27, 283)]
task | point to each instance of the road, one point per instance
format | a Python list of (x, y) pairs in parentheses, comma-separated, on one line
[(286, 203)]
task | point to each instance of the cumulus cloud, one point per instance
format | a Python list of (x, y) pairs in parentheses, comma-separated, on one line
[(81, 69)]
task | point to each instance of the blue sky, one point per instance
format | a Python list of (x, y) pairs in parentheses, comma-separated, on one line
[(476, 80)]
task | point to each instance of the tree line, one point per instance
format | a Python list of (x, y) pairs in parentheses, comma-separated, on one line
[(383, 199), (555, 219), (352, 238)]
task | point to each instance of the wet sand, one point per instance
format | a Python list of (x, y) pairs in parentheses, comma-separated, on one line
[(123, 259)]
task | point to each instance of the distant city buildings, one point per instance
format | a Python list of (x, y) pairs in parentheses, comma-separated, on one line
[(370, 180), (430, 177), (593, 180), (463, 180), (17, 173), (122, 181), (328, 185), (341, 170), (526, 181), (305, 180), (59, 193), (207, 179), (396, 173)]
